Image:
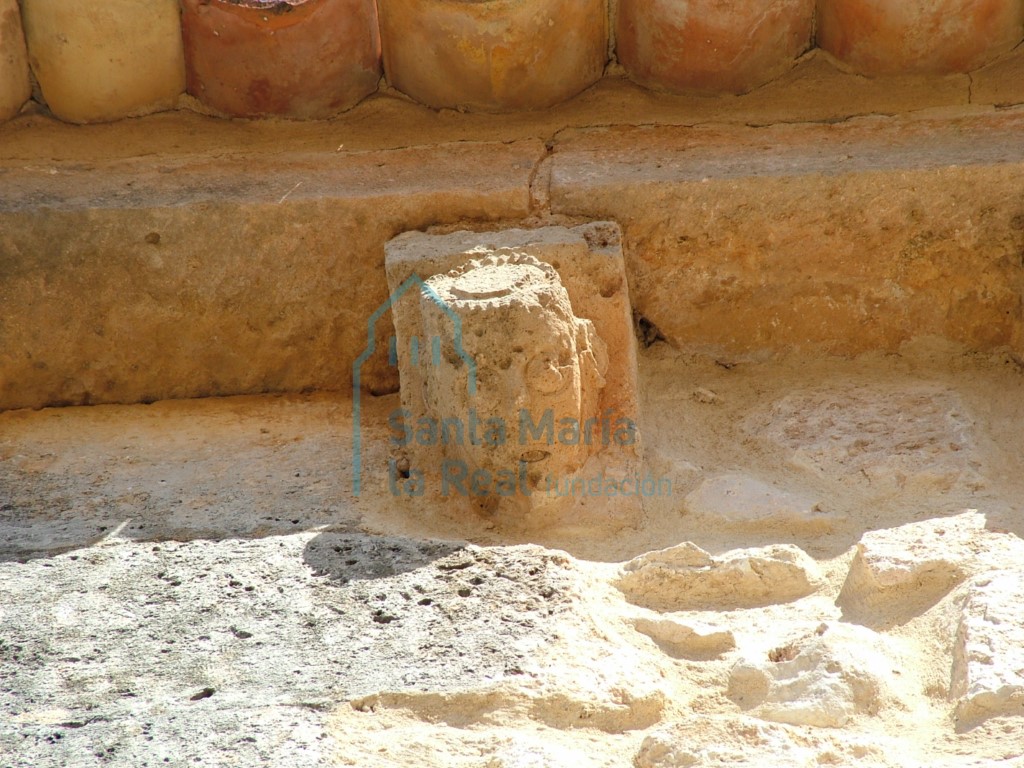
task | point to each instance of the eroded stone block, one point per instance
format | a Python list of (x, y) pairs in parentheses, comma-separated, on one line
[(15, 88), (99, 60), (901, 572), (988, 657), (749, 262), (529, 351), (518, 367), (685, 577), (825, 679)]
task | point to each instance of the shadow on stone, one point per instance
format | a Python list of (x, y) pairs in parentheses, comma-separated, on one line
[(358, 557)]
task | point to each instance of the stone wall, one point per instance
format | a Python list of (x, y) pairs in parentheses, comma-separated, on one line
[(145, 279), (101, 61)]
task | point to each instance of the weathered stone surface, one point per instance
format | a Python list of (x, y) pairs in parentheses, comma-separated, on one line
[(517, 348), (528, 325), (1000, 83), (737, 498), (905, 570), (493, 56), (889, 437), (709, 46), (588, 683), (825, 679), (715, 741), (686, 639), (15, 88), (240, 649), (302, 59), (405, 741), (70, 478), (204, 279), (872, 233), (563, 698), (988, 657), (100, 60), (879, 37), (686, 577)]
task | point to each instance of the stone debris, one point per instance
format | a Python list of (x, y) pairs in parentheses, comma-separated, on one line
[(706, 396), (897, 557), (686, 639), (177, 585), (685, 577), (988, 657), (825, 679), (557, 697), (240, 633), (738, 498)]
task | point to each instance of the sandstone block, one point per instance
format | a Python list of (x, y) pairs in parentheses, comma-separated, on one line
[(178, 269), (711, 46), (1000, 83), (988, 658), (15, 88), (99, 61), (300, 58), (878, 37), (740, 499), (826, 679), (750, 262), (904, 571), (686, 577), (493, 55)]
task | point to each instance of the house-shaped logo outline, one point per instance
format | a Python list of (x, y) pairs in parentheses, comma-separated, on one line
[(371, 347)]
